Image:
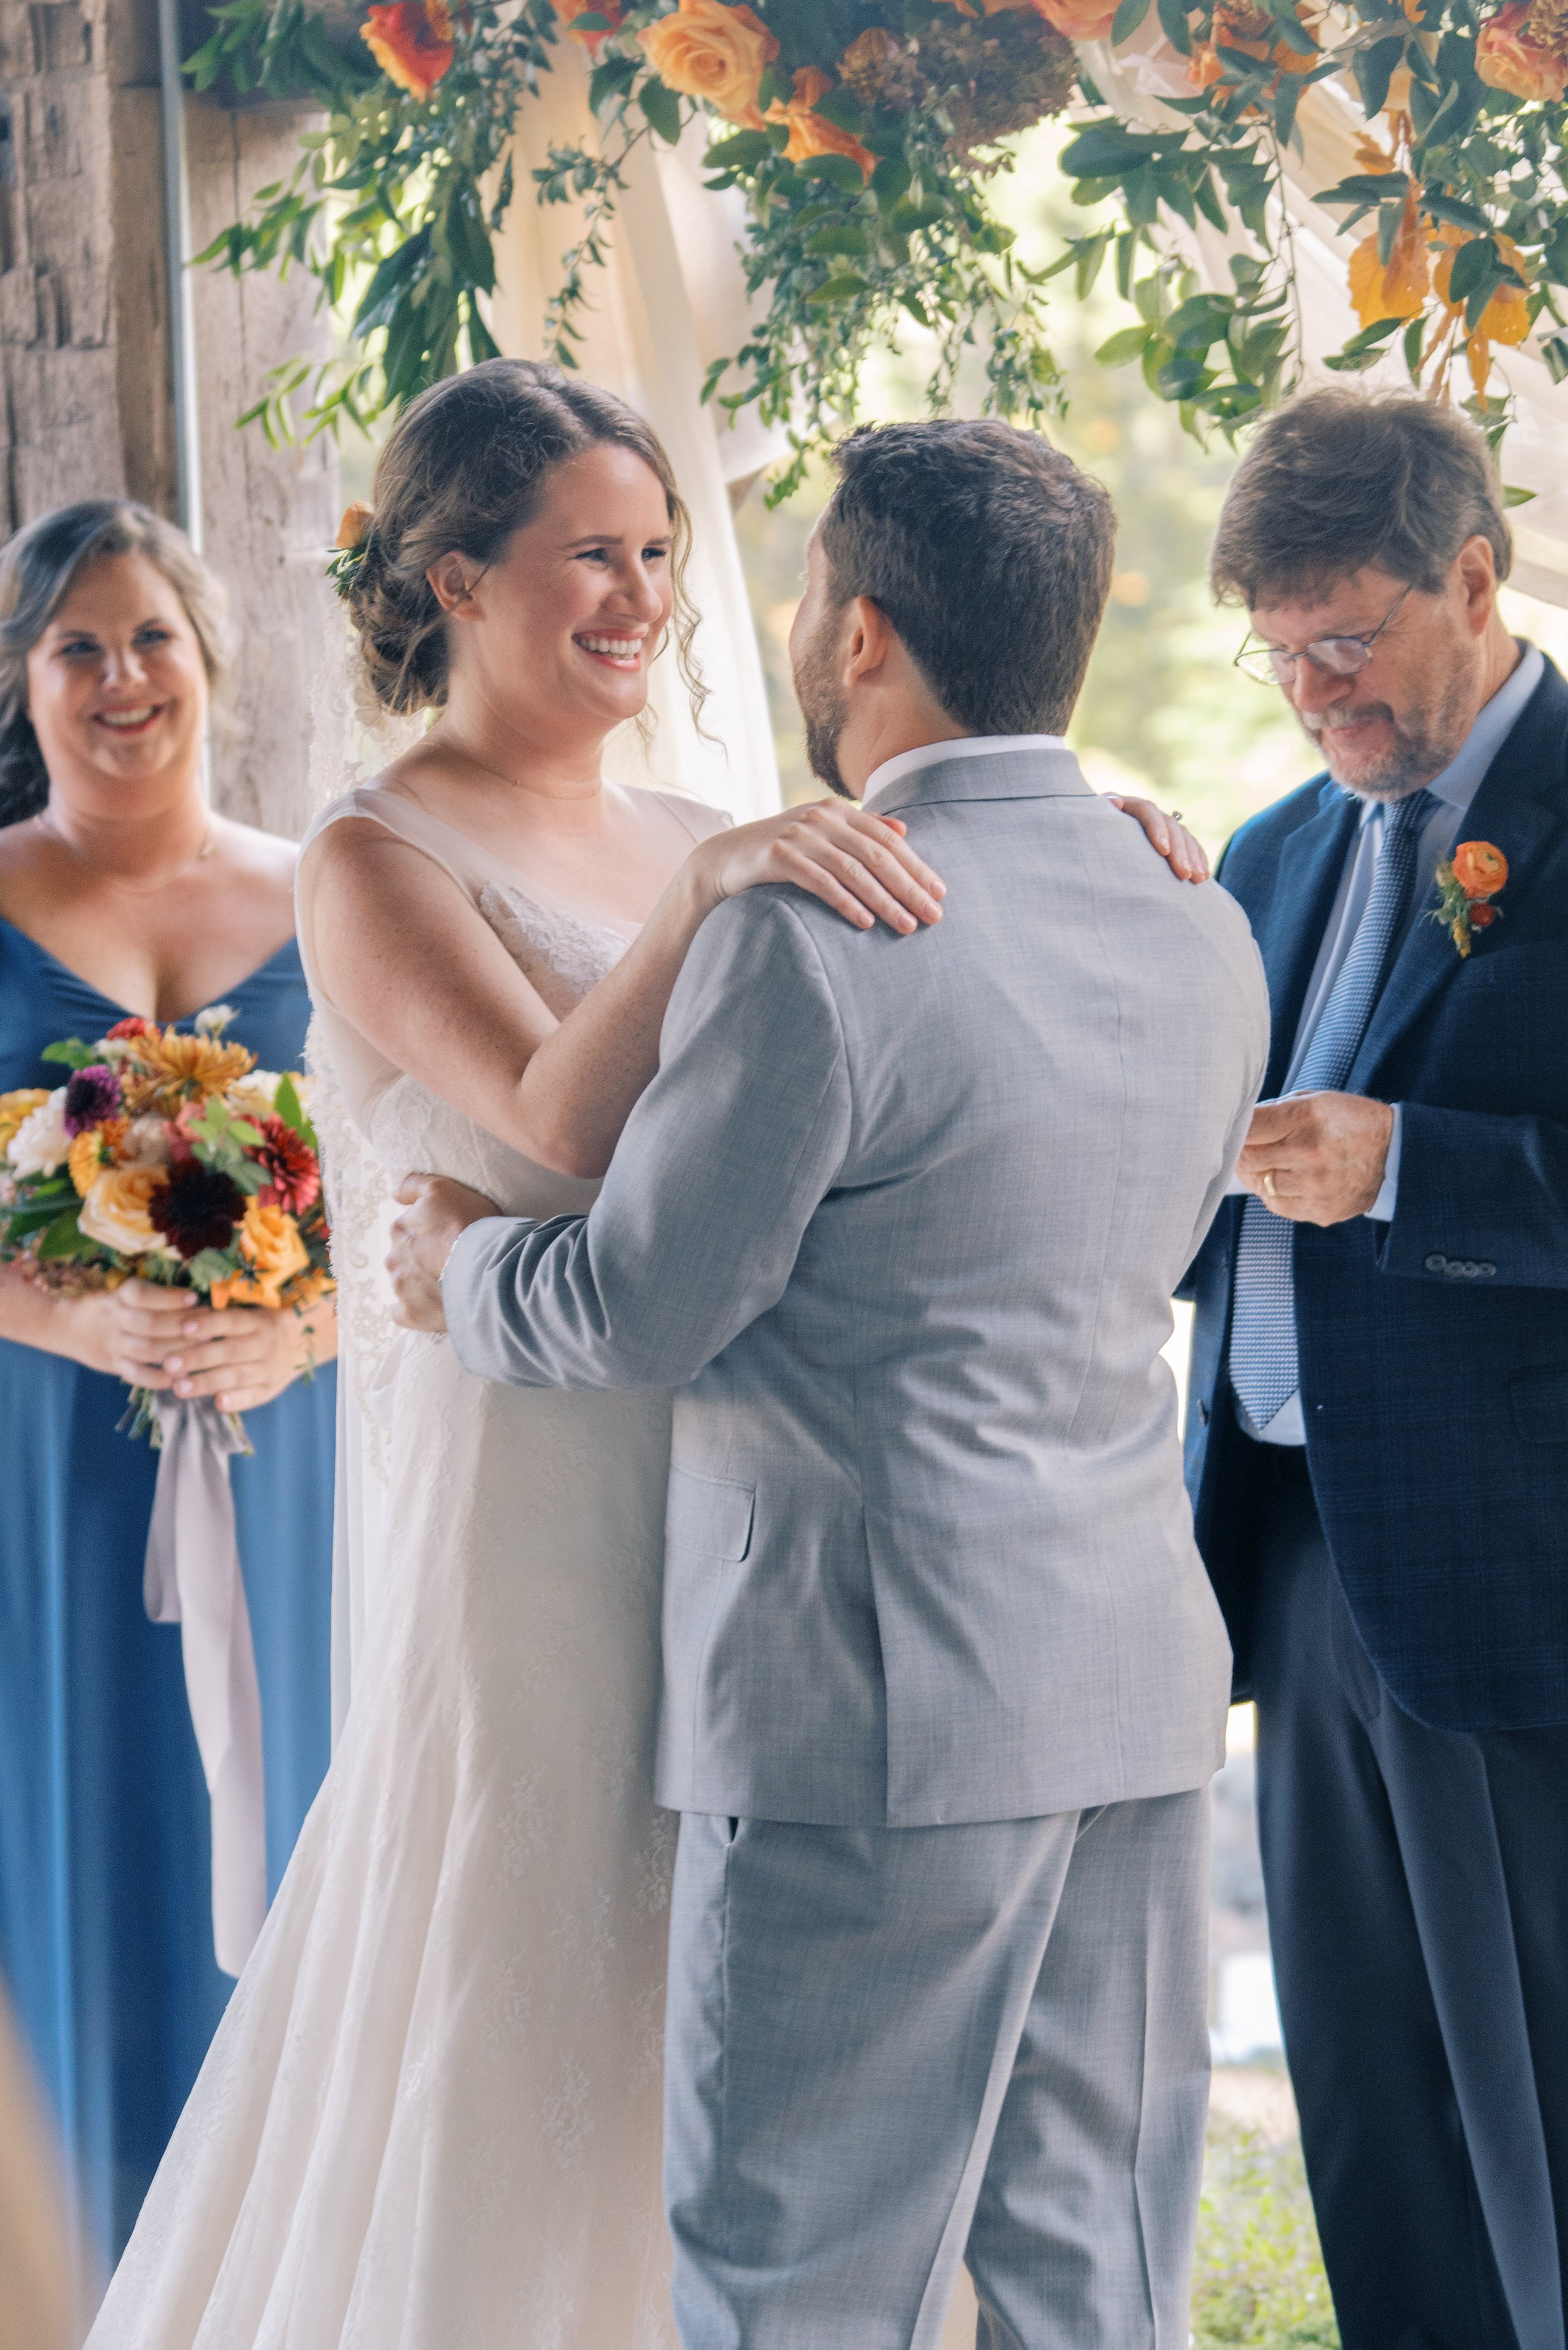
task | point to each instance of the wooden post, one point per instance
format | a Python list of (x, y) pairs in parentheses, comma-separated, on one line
[(86, 408)]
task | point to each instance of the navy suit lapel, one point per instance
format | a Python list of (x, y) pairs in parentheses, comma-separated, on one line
[(1290, 934), (1518, 807)]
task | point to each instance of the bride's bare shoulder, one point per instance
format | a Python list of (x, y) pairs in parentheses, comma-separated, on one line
[(695, 817)]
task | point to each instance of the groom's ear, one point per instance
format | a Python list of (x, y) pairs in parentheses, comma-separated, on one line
[(866, 637)]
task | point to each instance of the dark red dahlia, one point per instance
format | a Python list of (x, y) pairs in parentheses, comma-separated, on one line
[(197, 1208), (291, 1163), (92, 1094)]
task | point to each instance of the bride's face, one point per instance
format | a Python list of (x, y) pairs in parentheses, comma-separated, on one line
[(566, 623)]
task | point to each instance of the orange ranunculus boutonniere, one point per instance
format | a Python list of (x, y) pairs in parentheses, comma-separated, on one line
[(1469, 880), (412, 42)]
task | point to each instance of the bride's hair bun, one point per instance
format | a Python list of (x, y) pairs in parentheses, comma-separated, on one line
[(465, 467)]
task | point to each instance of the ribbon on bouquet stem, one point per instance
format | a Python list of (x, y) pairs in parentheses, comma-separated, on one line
[(192, 1578)]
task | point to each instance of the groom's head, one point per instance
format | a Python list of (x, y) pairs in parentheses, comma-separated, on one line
[(954, 585)]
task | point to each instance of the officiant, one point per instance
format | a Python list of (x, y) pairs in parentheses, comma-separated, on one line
[(1379, 1437), (121, 893)]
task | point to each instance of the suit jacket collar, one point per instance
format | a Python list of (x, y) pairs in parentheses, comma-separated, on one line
[(1005, 775), (1289, 935), (1519, 805)]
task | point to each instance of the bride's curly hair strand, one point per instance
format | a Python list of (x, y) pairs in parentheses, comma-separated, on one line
[(465, 467)]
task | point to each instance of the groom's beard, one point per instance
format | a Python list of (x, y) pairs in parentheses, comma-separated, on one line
[(821, 700)]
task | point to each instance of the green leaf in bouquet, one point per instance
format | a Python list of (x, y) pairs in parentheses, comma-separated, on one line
[(663, 108), (65, 1237), (212, 1264), (70, 1053), (287, 1106)]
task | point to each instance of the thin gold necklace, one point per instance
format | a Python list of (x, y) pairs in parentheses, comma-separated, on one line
[(107, 872)]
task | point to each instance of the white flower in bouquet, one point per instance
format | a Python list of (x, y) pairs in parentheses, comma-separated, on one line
[(40, 1143), (255, 1095), (145, 1143), (214, 1019)]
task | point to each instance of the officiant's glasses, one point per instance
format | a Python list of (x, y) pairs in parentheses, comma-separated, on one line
[(1339, 656)]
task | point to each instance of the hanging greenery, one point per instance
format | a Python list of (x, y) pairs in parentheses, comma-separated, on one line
[(866, 134)]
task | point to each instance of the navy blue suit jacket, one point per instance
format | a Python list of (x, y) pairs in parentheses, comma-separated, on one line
[(1434, 1349)]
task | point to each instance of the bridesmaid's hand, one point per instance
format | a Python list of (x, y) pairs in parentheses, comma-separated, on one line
[(155, 1337), (858, 864), (1168, 835)]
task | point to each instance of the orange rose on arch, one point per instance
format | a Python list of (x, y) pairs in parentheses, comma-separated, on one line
[(1081, 20), (1397, 287), (714, 52), (593, 40), (809, 132), (1510, 57), (412, 42)]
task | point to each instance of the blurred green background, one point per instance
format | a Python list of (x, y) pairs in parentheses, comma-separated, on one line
[(1163, 710)]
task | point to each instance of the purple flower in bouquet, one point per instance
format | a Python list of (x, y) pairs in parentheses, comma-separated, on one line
[(197, 1208), (92, 1094)]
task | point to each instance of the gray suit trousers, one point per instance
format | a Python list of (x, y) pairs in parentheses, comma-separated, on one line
[(893, 2049)]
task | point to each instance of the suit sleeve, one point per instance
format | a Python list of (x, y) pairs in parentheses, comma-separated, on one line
[(1481, 1199), (718, 1171)]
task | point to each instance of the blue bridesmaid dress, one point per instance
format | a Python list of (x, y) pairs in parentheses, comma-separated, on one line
[(106, 1929)]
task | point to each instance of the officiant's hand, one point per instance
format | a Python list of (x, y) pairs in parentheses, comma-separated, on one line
[(435, 1212), (1317, 1158)]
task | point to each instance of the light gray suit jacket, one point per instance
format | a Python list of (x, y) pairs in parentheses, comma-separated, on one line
[(899, 1221)]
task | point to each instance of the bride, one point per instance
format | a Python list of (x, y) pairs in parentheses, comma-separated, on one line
[(430, 2115)]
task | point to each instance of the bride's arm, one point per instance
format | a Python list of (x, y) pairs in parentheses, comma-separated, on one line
[(401, 952)]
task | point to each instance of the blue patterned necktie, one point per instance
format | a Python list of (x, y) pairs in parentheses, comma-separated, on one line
[(1264, 1369)]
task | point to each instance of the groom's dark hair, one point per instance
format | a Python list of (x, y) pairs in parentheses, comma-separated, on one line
[(990, 554)]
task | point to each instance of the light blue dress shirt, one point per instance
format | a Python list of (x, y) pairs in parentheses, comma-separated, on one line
[(1453, 790)]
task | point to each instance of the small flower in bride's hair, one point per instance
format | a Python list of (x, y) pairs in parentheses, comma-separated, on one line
[(356, 521), (351, 546)]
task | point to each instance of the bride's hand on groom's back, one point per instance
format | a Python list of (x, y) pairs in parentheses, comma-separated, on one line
[(858, 864)]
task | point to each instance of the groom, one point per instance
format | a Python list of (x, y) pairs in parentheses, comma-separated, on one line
[(899, 1221)]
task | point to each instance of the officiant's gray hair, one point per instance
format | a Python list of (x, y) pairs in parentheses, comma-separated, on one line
[(990, 554), (465, 466), (1340, 481)]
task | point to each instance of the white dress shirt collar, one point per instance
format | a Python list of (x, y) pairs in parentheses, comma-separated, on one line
[(963, 746)]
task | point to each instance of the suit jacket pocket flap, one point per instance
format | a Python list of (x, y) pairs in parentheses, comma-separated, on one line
[(708, 1515), (1540, 1401)]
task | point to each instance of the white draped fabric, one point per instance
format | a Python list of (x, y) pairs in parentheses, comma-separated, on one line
[(671, 299), (1133, 79)]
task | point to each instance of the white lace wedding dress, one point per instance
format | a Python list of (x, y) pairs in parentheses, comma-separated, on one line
[(431, 2117)]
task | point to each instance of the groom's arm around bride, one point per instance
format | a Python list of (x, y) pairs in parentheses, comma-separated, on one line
[(899, 1221)]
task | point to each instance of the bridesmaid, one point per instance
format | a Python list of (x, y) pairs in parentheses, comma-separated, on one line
[(121, 893)]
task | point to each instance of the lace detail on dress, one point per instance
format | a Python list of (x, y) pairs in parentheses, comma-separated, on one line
[(562, 954)]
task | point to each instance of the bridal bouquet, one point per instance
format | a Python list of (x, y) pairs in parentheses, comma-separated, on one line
[(170, 1157)]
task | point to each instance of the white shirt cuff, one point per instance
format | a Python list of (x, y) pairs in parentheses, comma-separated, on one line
[(1383, 1207)]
